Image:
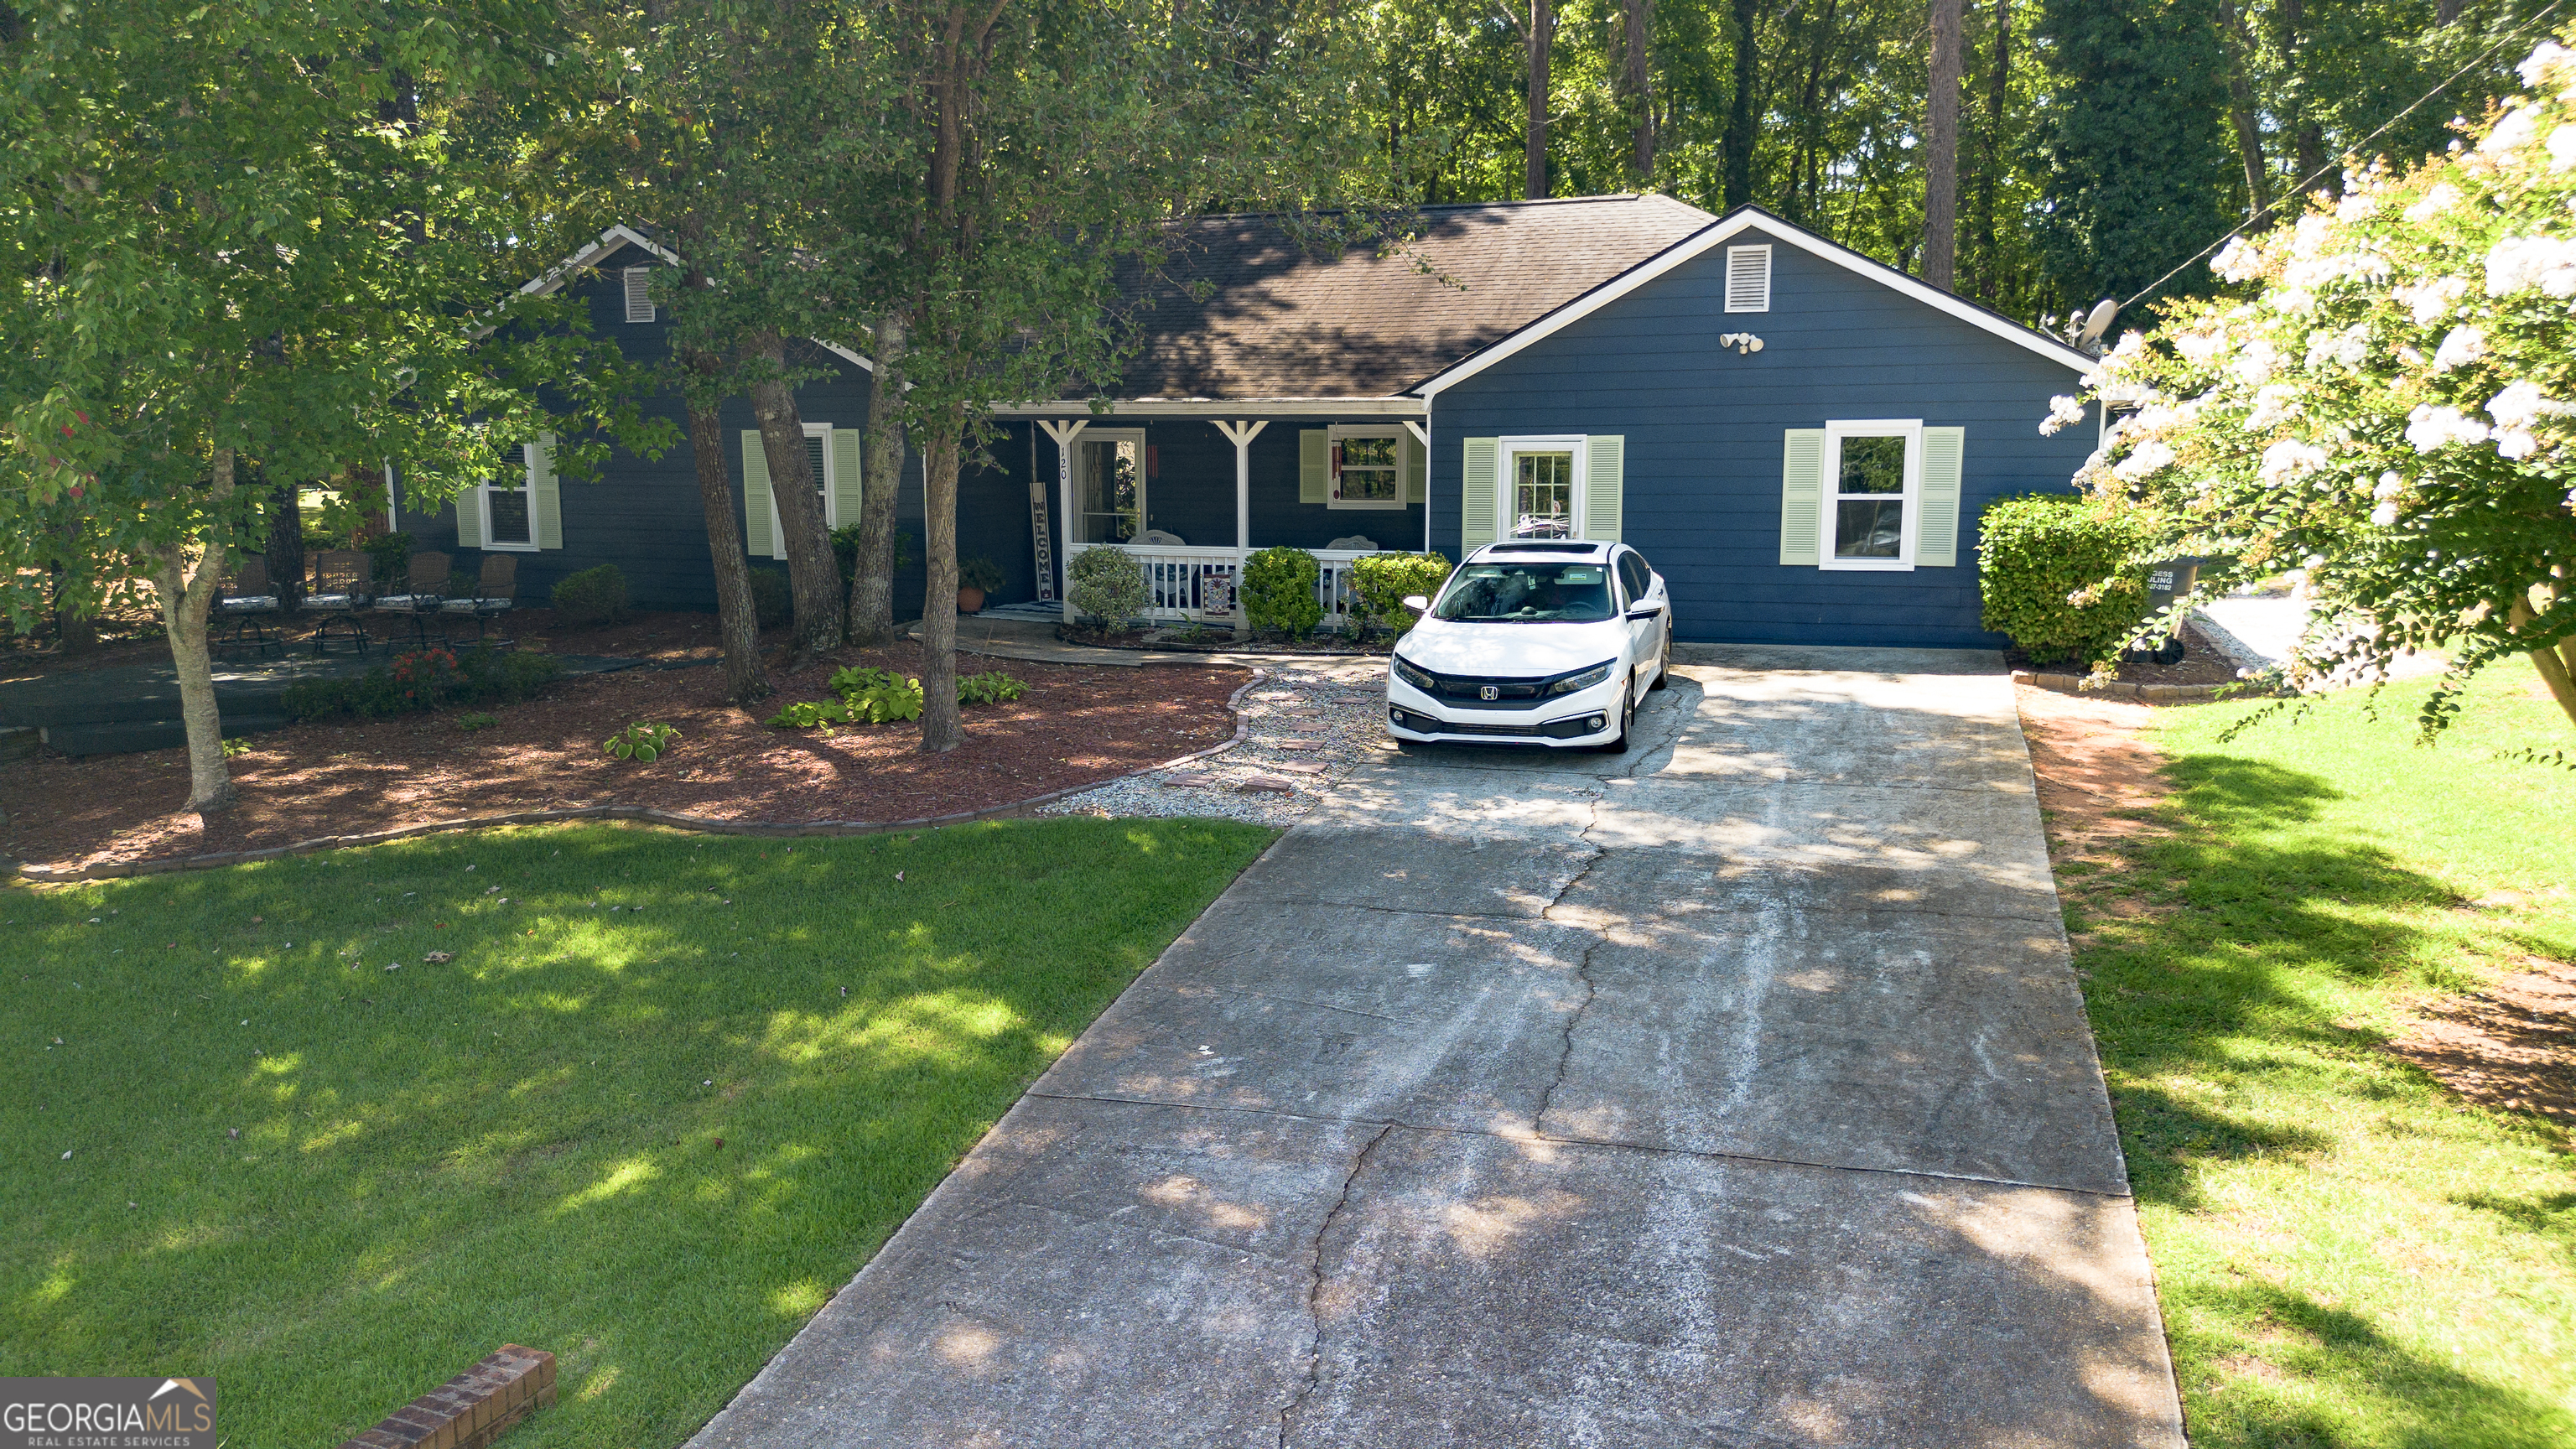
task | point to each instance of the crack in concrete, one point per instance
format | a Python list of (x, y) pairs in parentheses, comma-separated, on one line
[(1582, 973), (1319, 1005), (1315, 1290)]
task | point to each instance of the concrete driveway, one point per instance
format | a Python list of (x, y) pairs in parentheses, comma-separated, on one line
[(1733, 1091)]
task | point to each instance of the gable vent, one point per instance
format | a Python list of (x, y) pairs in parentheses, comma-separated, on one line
[(1748, 279), (639, 296)]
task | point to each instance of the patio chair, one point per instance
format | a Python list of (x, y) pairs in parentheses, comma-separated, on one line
[(247, 603), (496, 591), (1162, 536), (340, 589), (423, 597), (1355, 542)]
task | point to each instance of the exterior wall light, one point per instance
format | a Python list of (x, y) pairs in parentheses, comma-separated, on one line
[(1744, 343)]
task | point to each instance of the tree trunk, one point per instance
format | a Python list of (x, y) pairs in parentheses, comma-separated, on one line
[(2557, 670), (186, 600), (285, 556), (941, 729), (872, 581), (1541, 32), (813, 575), (737, 621), (2244, 113), (2308, 145), (1636, 86), (1737, 144), (1991, 153), (1941, 136)]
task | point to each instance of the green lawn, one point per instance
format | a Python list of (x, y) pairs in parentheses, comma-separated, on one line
[(2347, 1254), (652, 1139)]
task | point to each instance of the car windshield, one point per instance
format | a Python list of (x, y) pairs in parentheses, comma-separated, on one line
[(1532, 592)]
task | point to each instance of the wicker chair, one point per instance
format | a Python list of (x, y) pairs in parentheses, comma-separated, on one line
[(247, 604), (496, 592), (340, 590), (424, 595)]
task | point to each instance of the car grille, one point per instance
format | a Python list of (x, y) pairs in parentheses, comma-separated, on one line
[(1467, 693)]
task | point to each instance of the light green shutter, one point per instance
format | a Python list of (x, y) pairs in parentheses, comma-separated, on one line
[(469, 518), (1478, 484), (1802, 496), (1417, 471), (756, 537), (549, 494), (1605, 468), (845, 475), (1936, 534), (1315, 466)]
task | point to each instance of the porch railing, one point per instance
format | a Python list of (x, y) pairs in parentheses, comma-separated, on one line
[(1184, 582)]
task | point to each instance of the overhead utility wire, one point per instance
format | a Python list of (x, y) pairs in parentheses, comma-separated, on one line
[(2415, 105)]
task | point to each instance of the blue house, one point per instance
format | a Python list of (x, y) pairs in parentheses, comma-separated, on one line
[(1799, 438)]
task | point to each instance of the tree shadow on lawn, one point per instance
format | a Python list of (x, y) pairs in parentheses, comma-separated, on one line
[(2226, 1012)]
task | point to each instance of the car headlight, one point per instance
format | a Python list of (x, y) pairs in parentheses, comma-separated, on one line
[(1588, 678), (1416, 677)]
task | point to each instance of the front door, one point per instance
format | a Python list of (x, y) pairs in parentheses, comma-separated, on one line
[(1108, 486)]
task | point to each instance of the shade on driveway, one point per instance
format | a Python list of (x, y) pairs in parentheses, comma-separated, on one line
[(1733, 1091)]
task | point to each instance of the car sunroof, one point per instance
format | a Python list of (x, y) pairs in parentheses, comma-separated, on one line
[(1547, 548)]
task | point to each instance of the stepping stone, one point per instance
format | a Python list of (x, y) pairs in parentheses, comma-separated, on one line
[(1299, 767), (1310, 727), (1292, 744), (1190, 779), (1271, 784)]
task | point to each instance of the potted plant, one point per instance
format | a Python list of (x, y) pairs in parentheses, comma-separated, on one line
[(976, 577)]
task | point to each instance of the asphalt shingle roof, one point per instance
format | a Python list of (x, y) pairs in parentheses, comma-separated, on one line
[(1280, 322)]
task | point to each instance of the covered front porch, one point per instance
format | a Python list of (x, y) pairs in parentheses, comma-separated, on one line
[(1191, 489)]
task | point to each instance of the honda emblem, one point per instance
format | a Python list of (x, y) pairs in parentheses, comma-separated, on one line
[(1488, 692)]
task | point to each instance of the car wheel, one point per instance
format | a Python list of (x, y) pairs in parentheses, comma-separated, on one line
[(1664, 663), (1618, 744)]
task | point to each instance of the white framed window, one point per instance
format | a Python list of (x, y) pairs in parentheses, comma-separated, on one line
[(818, 462), (1542, 482), (1748, 278), (1366, 467), (639, 294), (1109, 468), (510, 507), (1873, 493)]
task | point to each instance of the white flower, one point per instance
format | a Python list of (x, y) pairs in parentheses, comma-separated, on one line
[(2272, 404), (2290, 458), (2544, 63), (2239, 261), (2515, 444), (2390, 485), (2433, 300), (2524, 261), (2200, 349), (2521, 404), (2434, 203), (2511, 134), (2132, 345), (2255, 363), (2385, 515), (2147, 458), (2349, 347), (2562, 148), (2356, 206), (2460, 347), (2063, 411), (2430, 428)]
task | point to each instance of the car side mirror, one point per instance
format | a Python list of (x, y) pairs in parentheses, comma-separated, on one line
[(1416, 605), (1645, 611)]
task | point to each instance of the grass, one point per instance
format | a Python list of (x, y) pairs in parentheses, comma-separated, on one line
[(656, 1111), (2347, 1254)]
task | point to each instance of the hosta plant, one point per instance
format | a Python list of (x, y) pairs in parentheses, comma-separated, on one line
[(642, 742)]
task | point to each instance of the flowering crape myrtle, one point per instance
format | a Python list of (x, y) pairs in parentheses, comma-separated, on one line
[(2388, 401)]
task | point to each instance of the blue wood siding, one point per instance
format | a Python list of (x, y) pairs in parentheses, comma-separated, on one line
[(1704, 429)]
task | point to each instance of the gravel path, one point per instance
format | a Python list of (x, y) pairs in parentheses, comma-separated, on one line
[(1306, 725)]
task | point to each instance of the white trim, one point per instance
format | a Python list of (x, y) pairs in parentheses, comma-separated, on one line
[(1333, 499), (1910, 515), (1506, 498), (527, 488), (393, 507), (1214, 408), (553, 278), (1698, 244), (1764, 252), (777, 532)]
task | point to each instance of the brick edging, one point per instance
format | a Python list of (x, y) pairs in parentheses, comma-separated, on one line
[(703, 824), (2145, 693)]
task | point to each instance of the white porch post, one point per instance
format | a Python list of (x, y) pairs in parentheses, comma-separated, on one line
[(1064, 434), (1421, 432), (1241, 435)]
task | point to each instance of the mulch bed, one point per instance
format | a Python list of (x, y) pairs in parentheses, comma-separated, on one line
[(1077, 725), (2201, 663)]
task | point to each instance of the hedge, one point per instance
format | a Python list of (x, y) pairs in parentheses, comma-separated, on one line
[(2063, 579)]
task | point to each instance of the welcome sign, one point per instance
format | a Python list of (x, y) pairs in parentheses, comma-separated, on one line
[(105, 1413)]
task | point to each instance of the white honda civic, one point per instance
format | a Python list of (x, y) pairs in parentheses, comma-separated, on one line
[(1539, 641)]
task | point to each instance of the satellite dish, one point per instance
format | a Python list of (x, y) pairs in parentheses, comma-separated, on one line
[(2097, 322)]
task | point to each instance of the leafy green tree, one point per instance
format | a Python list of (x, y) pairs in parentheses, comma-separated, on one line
[(2392, 407), (248, 236)]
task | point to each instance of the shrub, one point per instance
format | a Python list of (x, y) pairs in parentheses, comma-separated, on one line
[(771, 600), (643, 742), (2061, 577), (845, 548), (1384, 580), (886, 701), (991, 687), (852, 679), (388, 559), (867, 696), (424, 680), (1108, 585), (508, 678), (979, 573), (592, 596), (1279, 591)]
